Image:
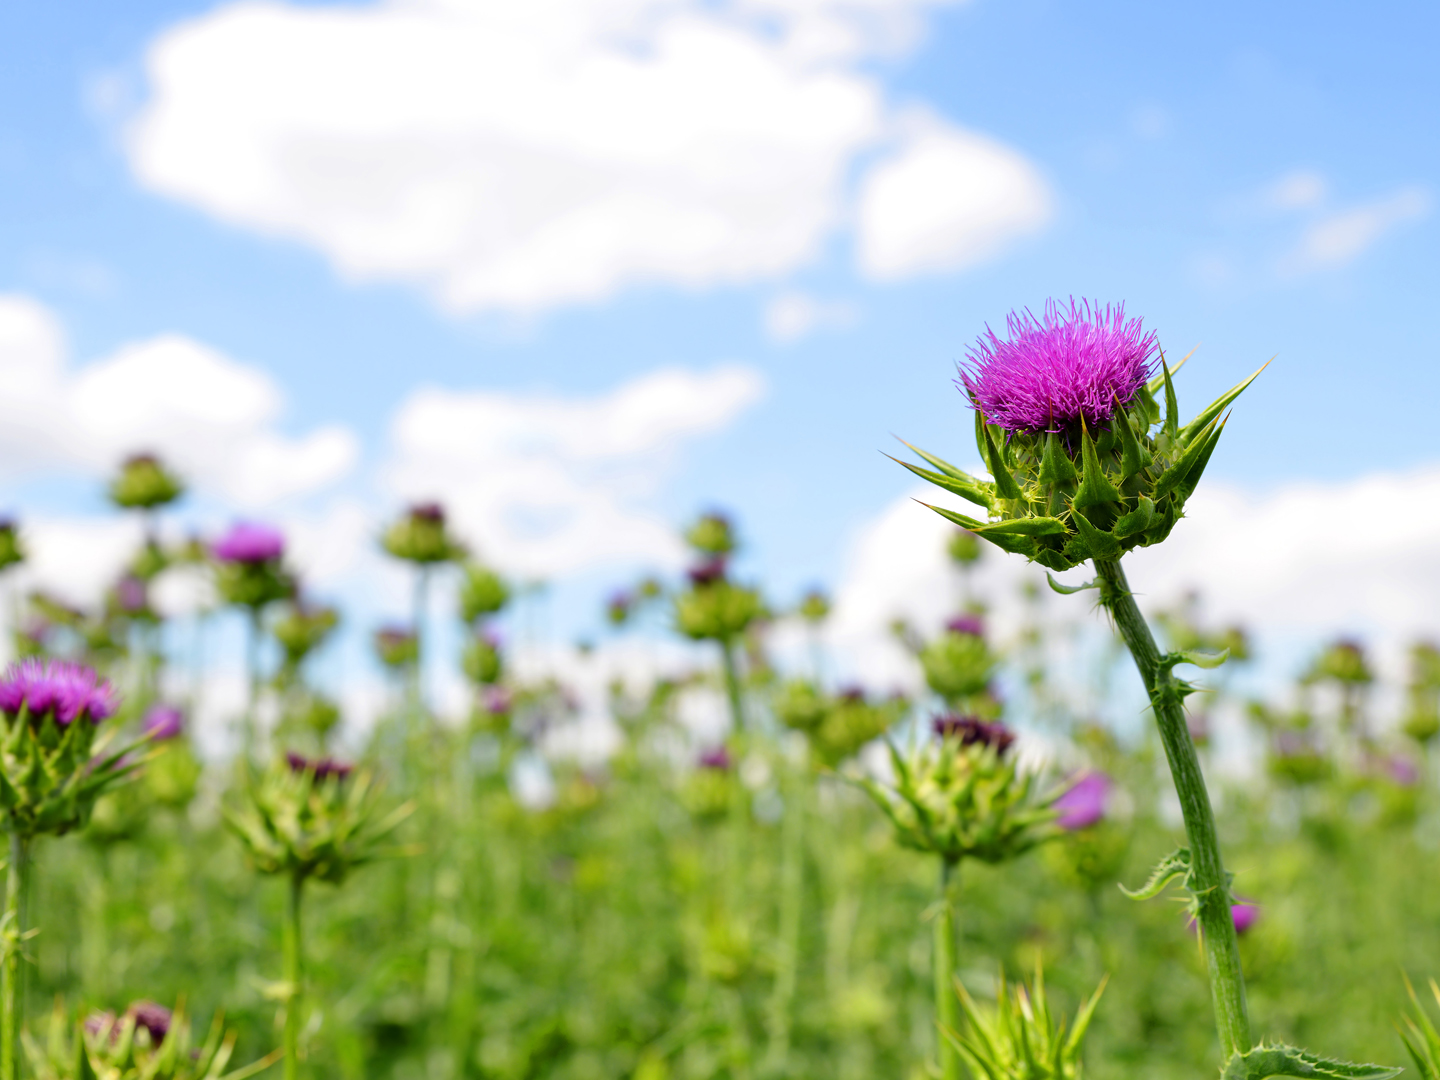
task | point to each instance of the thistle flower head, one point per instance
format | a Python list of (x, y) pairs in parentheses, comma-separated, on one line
[(972, 731), (151, 1017), (66, 691), (708, 571), (164, 722), (323, 768), (1062, 369), (1083, 802), (966, 624), (249, 543), (420, 536), (717, 757)]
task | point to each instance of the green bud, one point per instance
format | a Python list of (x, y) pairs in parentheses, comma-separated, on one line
[(482, 592), (712, 534), (12, 551), (481, 661), (420, 536), (717, 610), (144, 483)]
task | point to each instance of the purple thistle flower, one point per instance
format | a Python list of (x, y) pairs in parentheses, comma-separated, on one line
[(715, 758), (99, 1022), (1083, 803), (153, 1017), (323, 768), (1402, 770), (1244, 915), (966, 624), (130, 595), (1060, 369), (164, 722), (708, 572), (496, 700), (65, 690), (852, 694), (971, 730), (249, 543), (432, 512)]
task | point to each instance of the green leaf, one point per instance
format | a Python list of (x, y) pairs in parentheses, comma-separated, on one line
[(1172, 477), (1014, 543), (1137, 520), (1154, 385), (1279, 1060), (967, 488), (1095, 487), (1199, 657), (1027, 526), (1069, 590), (1176, 864), (1005, 485), (1172, 407), (1216, 407), (1186, 487)]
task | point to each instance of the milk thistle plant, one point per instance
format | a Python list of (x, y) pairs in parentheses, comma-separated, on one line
[(421, 538), (52, 770), (1086, 466), (249, 574), (304, 819)]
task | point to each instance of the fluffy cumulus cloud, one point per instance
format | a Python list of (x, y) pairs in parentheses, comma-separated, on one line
[(549, 484), (518, 156), (211, 417)]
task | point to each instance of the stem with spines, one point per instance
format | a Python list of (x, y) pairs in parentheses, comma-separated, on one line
[(1207, 878)]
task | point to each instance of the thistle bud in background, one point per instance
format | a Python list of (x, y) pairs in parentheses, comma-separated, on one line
[(853, 720), (964, 548), (396, 647), (302, 629), (619, 607), (420, 536), (963, 796), (12, 551), (51, 769), (163, 722), (131, 598), (958, 664), (144, 483), (814, 607), (172, 774), (800, 705), (481, 660), (314, 818), (1084, 463), (709, 790), (482, 592), (712, 534), (248, 569), (714, 608)]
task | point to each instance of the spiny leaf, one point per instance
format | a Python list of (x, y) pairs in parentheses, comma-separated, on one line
[(1172, 407), (1278, 1060), (1154, 385), (1186, 487), (1030, 526), (1137, 520), (1095, 487), (1098, 544), (1172, 477), (1069, 590), (1005, 485), (1176, 864), (1216, 407), (966, 488), (1133, 456), (1055, 465)]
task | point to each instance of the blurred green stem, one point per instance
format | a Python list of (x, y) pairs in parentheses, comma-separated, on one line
[(252, 665), (17, 888), (1207, 882), (792, 885), (732, 686), (947, 1015), (421, 600), (294, 976)]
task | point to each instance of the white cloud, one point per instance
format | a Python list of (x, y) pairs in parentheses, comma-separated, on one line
[(209, 416), (946, 200), (1342, 237), (549, 484), (1297, 190), (793, 315), (521, 156)]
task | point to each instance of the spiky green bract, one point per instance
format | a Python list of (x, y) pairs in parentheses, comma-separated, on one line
[(1420, 1036), (717, 610), (1060, 498), (51, 775), (118, 1049), (963, 802), (1018, 1038), (1276, 1059), (306, 824)]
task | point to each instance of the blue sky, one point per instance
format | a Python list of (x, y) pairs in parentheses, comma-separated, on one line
[(1256, 179)]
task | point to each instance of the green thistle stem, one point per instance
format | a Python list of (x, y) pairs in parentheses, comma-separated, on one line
[(732, 685), (739, 805), (417, 675), (252, 665), (294, 976), (12, 998), (947, 1009), (1207, 874), (792, 886)]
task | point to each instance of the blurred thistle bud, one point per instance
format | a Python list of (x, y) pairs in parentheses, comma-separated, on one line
[(814, 607), (1342, 661), (420, 536), (314, 818), (1422, 714), (144, 483), (619, 607), (396, 647), (852, 721), (963, 548), (800, 705), (303, 628), (129, 597), (649, 588), (962, 796), (973, 731), (1019, 1038), (958, 664), (712, 534), (494, 707), (248, 570), (1083, 463), (51, 768), (1296, 757), (481, 660), (12, 551), (147, 1042), (1083, 803), (482, 592), (715, 609), (708, 792), (163, 722)]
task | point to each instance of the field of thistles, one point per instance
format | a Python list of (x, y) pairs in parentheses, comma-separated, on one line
[(997, 877)]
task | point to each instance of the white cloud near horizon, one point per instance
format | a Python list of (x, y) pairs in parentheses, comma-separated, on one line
[(1338, 239), (213, 418), (551, 484), (518, 157)]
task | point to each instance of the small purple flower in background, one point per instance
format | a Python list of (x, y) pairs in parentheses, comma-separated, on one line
[(971, 730), (852, 694), (65, 690), (966, 624), (708, 572), (1245, 915), (153, 1017), (130, 595), (247, 542), (432, 512), (1058, 370), (496, 700), (98, 1022), (1083, 803), (1402, 770), (164, 722), (323, 768), (715, 758)]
